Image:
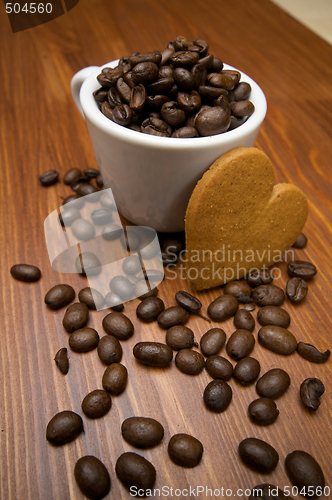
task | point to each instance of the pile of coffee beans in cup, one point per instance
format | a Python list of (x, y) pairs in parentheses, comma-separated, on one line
[(182, 91)]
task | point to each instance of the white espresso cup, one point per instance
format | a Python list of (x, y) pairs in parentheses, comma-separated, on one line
[(152, 177)]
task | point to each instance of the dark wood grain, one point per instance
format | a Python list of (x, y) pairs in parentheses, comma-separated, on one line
[(41, 130)]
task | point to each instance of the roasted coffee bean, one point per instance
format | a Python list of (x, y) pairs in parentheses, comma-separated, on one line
[(114, 99), (90, 193), (249, 307), (79, 182), (92, 173), (268, 295), (199, 74), (171, 113), (99, 181), (189, 361), (305, 473), (184, 59), (180, 337), (109, 76), (220, 80), (156, 126), (101, 216), (88, 264), (109, 350), (135, 471), (61, 360), (277, 339), (268, 492), (273, 384), (223, 307), (242, 108), (242, 91), (311, 353), (72, 175), (122, 115), (240, 344), (273, 315), (76, 316), (112, 232), (246, 370), (184, 78), (243, 320), (48, 178), (106, 109), (258, 455), (149, 309), (115, 378), (64, 427), (296, 290), (91, 297), (310, 391), (153, 354), (212, 341), (97, 403), (73, 201), (240, 289), (84, 340), (185, 450), (124, 90), (131, 264), (59, 296), (25, 272), (235, 122), (259, 277), (300, 241), (154, 56), (263, 411), (213, 121), (68, 216), (188, 301), (142, 432), (92, 477), (301, 269), (185, 132), (217, 396), (171, 245), (174, 315), (145, 72), (211, 92), (219, 367), (114, 302), (118, 325), (83, 229), (122, 287), (189, 103)]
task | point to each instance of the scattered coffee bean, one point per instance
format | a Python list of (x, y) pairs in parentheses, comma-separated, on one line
[(149, 309), (311, 353), (268, 295), (99, 181), (61, 360), (131, 264), (73, 201), (97, 403), (142, 432), (72, 175), (273, 315), (243, 320), (258, 455), (301, 269), (268, 492), (115, 378), (263, 411), (91, 297), (153, 354), (240, 290), (49, 178), (84, 340), (249, 307), (101, 216), (90, 192), (305, 473), (240, 344), (217, 395), (76, 316), (88, 264), (259, 277), (296, 290), (273, 384), (223, 307), (68, 216), (59, 296), (188, 301), (310, 391), (277, 339), (180, 337), (78, 183), (142, 290), (185, 450), (64, 427), (122, 287), (219, 367), (92, 173), (25, 272), (83, 229), (118, 325), (300, 241), (212, 341), (247, 370), (112, 232), (174, 315), (189, 361), (134, 470), (114, 302), (109, 350), (92, 477)]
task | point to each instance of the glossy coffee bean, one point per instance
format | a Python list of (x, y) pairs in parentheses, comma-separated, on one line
[(219, 367), (310, 391), (78, 183), (174, 315), (122, 287), (267, 491), (242, 108), (305, 472), (61, 360), (213, 121), (72, 175), (185, 132), (301, 269), (240, 290), (143, 290), (64, 427), (118, 325), (263, 411), (277, 339), (115, 378), (180, 337), (83, 340), (185, 450), (188, 301), (131, 265), (91, 297), (273, 384), (268, 295), (259, 277), (101, 216), (59, 296), (246, 370), (249, 307), (76, 317), (149, 309), (212, 341), (217, 396), (240, 344), (142, 432), (92, 477), (135, 471), (88, 264), (97, 403), (243, 320), (109, 350), (258, 455), (114, 302), (223, 307), (300, 241), (49, 178), (91, 193), (68, 216), (189, 361), (273, 315), (242, 91), (153, 354), (92, 173), (83, 229), (25, 272), (296, 290), (311, 353)]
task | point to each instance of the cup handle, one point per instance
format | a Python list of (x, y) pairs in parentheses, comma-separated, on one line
[(76, 83)]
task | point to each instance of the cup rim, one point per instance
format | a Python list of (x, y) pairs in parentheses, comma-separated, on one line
[(93, 114)]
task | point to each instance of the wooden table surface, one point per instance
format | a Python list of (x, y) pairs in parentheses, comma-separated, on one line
[(41, 130)]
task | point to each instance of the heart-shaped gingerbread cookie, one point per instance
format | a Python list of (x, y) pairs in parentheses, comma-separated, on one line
[(238, 220)]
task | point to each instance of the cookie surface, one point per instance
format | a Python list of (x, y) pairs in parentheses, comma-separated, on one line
[(237, 219)]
